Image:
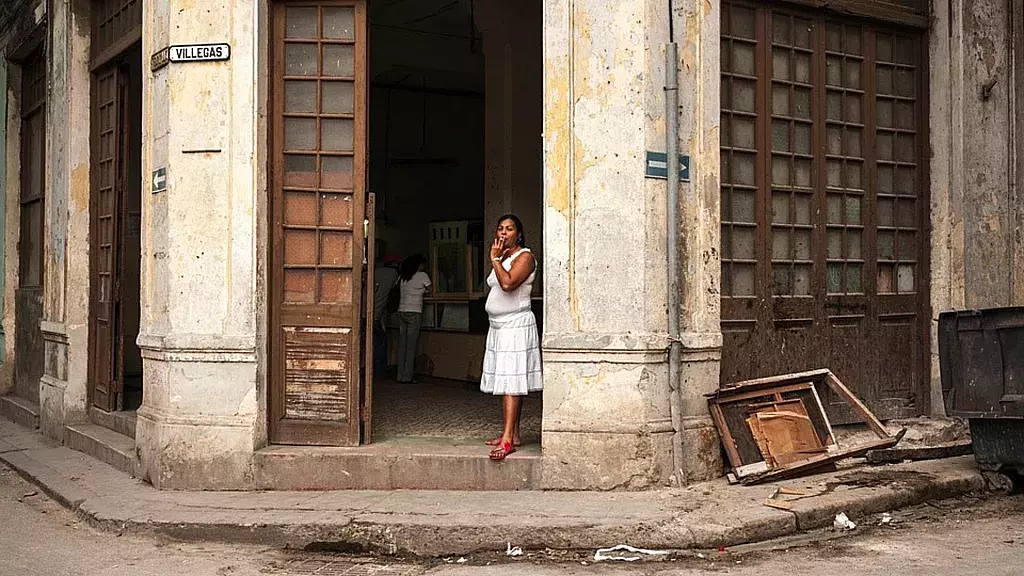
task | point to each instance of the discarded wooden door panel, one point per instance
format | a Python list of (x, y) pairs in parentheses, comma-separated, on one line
[(766, 436)]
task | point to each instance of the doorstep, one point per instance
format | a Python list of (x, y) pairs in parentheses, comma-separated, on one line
[(20, 411), (427, 464), (107, 446)]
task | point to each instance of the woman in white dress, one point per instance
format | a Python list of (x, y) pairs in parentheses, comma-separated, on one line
[(512, 357)]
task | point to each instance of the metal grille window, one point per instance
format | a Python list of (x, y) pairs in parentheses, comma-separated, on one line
[(116, 25), (819, 155)]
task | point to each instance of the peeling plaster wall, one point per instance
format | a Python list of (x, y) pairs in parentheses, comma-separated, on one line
[(9, 187), (976, 203), (607, 394), (62, 394)]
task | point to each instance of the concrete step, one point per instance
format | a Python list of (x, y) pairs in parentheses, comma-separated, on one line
[(102, 444), (395, 465), (120, 422), (20, 411)]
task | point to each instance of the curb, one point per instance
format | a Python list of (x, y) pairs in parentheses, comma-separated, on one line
[(415, 533)]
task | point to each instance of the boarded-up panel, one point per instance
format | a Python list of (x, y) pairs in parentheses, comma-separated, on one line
[(316, 373)]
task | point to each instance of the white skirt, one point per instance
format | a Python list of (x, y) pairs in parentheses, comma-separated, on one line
[(512, 358)]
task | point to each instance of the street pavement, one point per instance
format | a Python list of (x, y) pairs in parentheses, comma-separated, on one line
[(964, 536)]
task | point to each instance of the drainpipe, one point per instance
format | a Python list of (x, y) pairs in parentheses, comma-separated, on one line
[(672, 153)]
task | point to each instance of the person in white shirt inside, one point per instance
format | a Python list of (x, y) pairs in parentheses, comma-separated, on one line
[(413, 283)]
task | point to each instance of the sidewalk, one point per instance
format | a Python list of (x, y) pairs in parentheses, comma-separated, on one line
[(438, 523)]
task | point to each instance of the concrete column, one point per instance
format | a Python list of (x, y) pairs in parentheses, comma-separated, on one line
[(697, 29), (200, 419), (607, 418), (63, 397), (612, 419)]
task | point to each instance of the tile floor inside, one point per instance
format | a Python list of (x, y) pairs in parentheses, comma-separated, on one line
[(435, 408)]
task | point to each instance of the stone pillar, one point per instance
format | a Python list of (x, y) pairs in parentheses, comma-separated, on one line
[(697, 25), (200, 421), (607, 418), (63, 397)]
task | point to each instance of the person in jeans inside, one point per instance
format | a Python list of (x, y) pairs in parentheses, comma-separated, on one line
[(413, 283)]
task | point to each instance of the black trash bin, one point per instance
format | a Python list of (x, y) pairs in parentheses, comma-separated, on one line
[(981, 359)]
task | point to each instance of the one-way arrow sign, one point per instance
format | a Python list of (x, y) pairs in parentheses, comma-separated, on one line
[(159, 180)]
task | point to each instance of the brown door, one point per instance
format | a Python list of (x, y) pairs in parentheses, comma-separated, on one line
[(109, 180), (823, 203), (28, 343), (318, 143)]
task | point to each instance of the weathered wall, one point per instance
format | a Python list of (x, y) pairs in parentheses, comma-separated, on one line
[(198, 425), (62, 391), (9, 169), (976, 208)]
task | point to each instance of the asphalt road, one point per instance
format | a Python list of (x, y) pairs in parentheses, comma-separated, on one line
[(970, 536)]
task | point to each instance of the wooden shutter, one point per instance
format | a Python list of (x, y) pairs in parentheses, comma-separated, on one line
[(318, 139)]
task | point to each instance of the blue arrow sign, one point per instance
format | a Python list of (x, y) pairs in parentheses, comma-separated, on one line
[(656, 166)]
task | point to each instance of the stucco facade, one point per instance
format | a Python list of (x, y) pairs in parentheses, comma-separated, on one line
[(611, 417)]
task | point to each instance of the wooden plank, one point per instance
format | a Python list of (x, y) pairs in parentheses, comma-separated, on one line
[(726, 435), (894, 455), (728, 396), (857, 406), (781, 379)]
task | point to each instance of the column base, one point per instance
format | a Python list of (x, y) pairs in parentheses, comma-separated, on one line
[(606, 461), (701, 451), (196, 453), (607, 423), (63, 399), (197, 426)]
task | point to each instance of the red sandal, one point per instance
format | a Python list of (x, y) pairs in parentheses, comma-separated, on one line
[(503, 450), (497, 440)]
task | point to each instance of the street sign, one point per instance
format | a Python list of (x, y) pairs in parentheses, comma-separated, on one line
[(199, 52), (657, 166), (159, 180)]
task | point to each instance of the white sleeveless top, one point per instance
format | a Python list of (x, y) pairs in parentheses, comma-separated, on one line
[(501, 303)]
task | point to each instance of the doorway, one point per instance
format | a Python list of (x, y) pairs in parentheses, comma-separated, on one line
[(115, 234), (391, 112), (28, 343)]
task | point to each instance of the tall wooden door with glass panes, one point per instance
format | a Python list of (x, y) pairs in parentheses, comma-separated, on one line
[(824, 202), (317, 208)]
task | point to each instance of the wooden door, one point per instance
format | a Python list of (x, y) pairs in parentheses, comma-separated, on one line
[(108, 187), (824, 203), (28, 341), (318, 147)]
